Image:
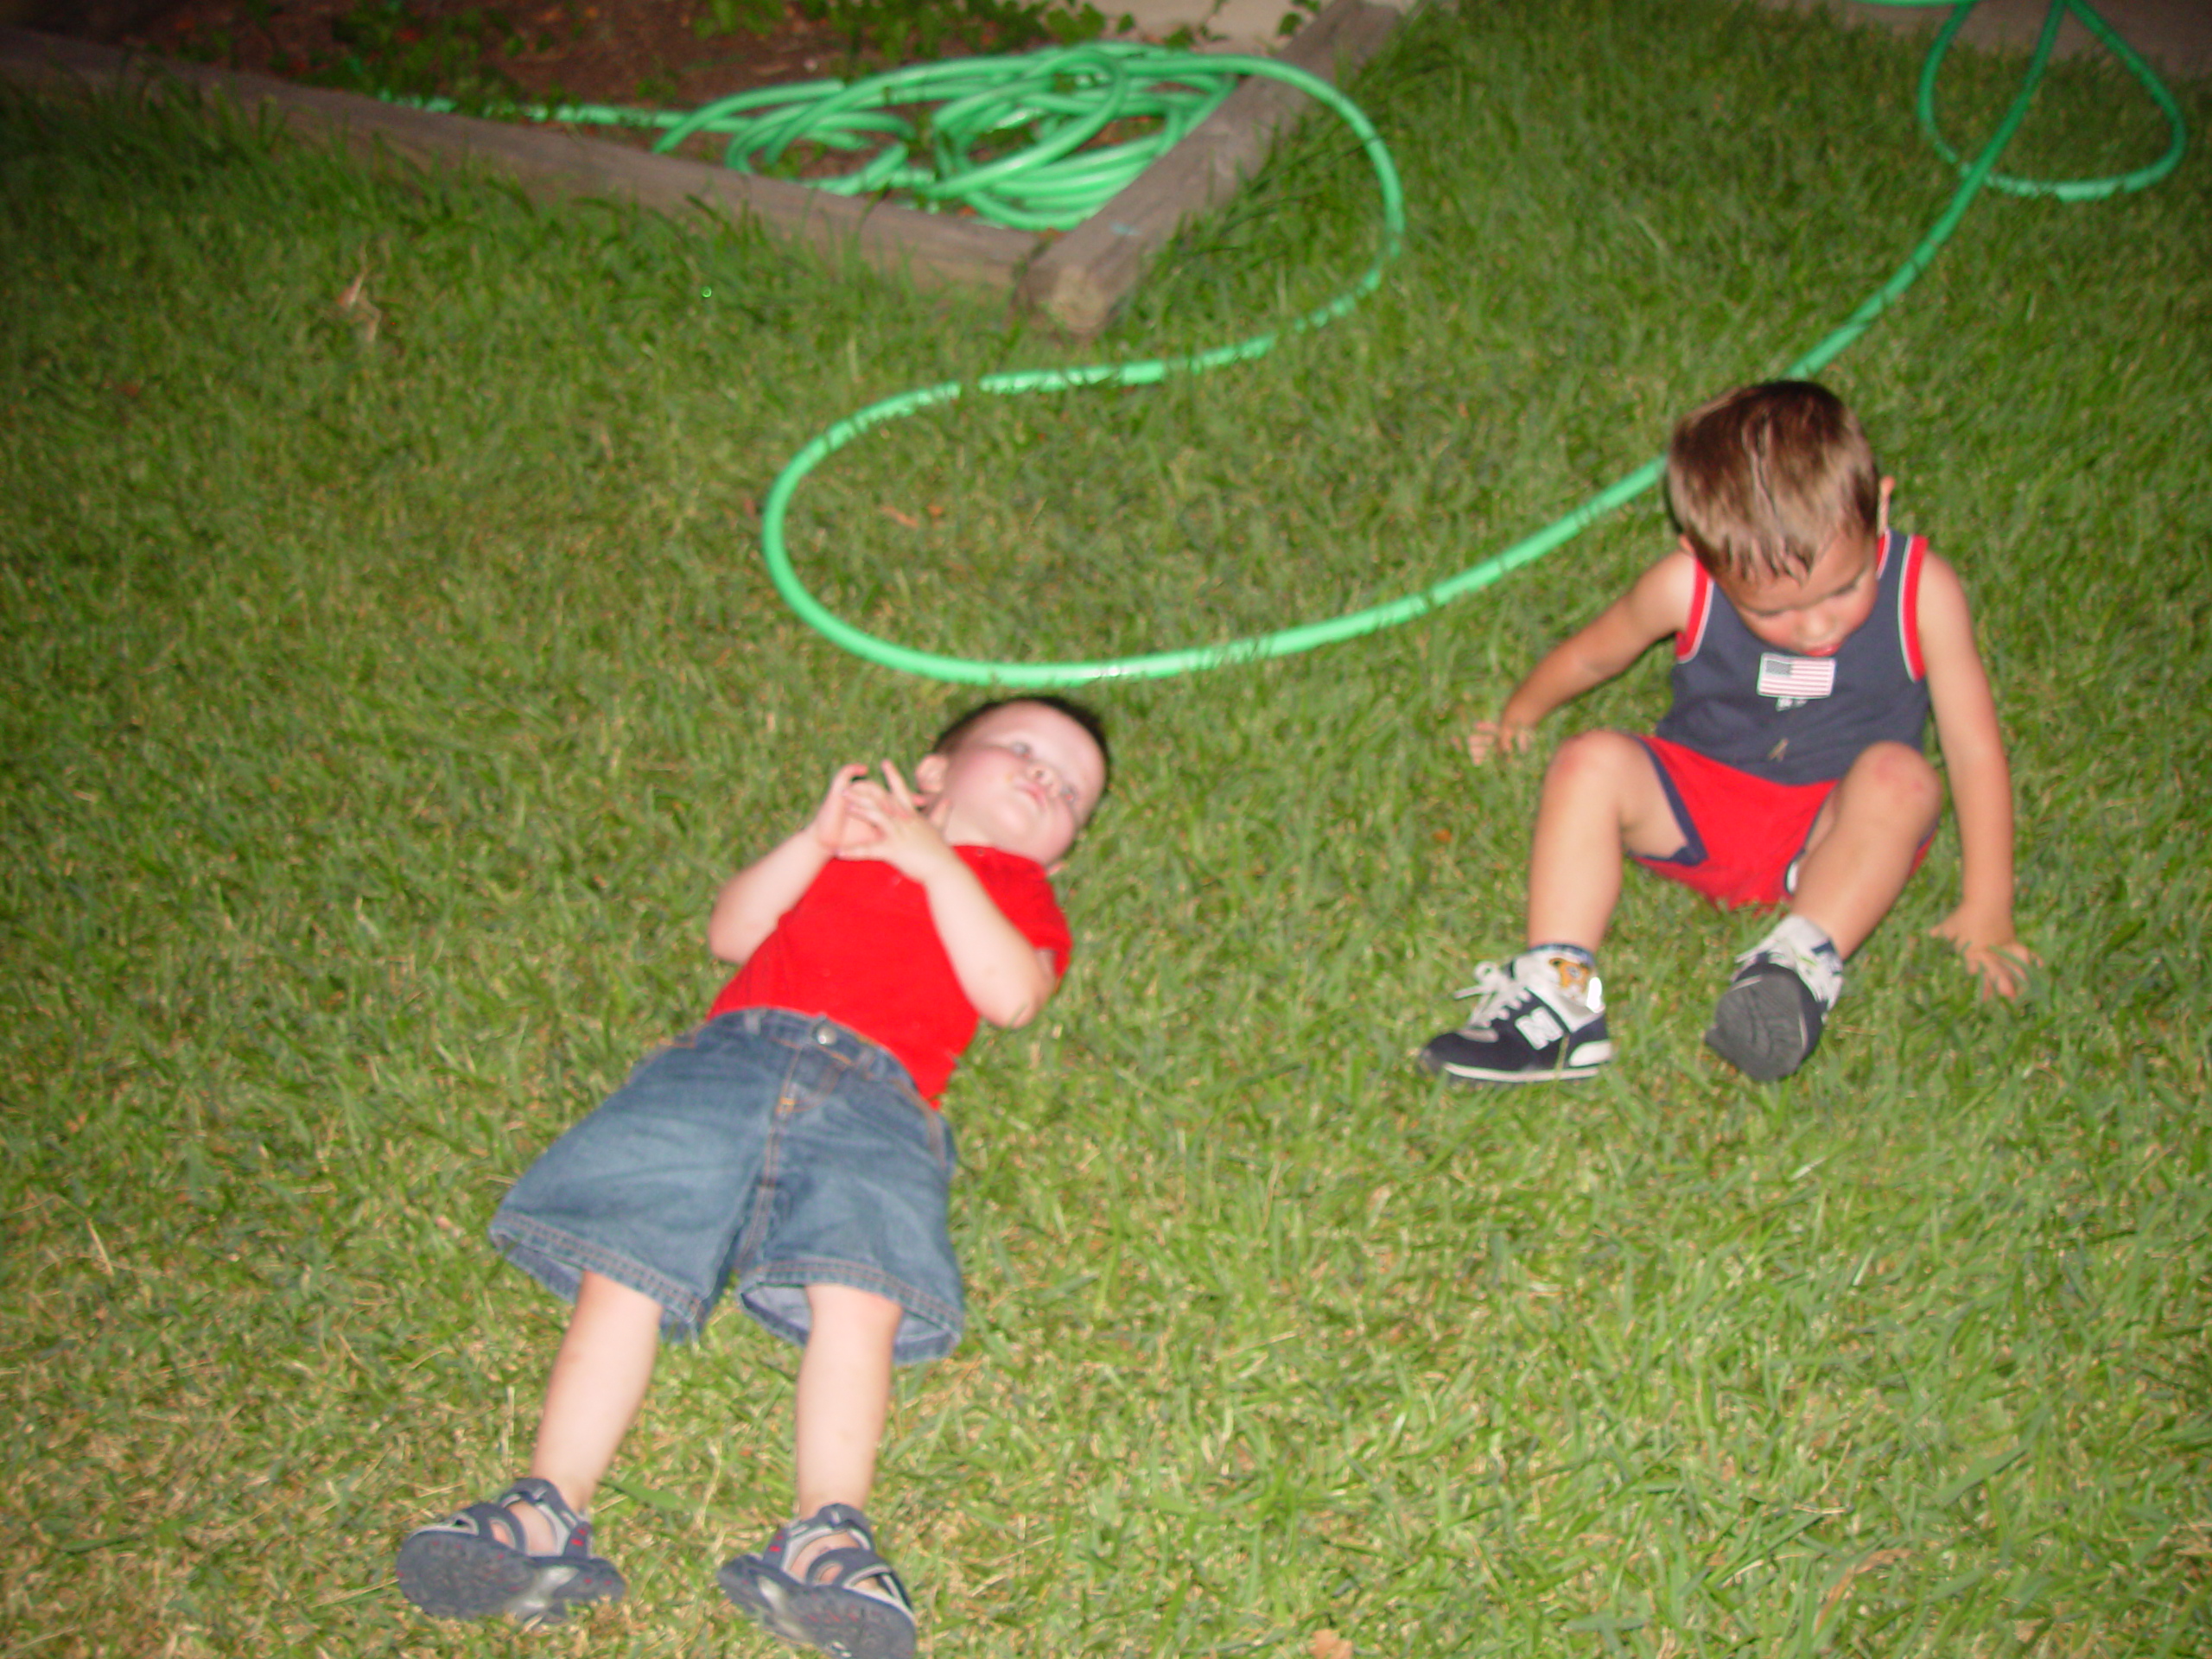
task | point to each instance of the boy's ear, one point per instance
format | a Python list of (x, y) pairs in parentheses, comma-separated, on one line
[(929, 772)]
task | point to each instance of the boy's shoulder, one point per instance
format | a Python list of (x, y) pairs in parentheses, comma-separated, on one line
[(1665, 596), (1942, 616)]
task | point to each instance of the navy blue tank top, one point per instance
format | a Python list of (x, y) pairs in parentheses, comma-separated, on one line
[(1802, 720)]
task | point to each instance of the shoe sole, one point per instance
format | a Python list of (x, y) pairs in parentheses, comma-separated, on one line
[(1599, 1051), (847, 1623), (1760, 1027), (1451, 1073), (448, 1576)]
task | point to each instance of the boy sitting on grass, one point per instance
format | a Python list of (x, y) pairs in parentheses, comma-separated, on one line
[(791, 1147), (1809, 642)]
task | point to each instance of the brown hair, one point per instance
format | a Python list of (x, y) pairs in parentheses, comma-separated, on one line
[(1763, 480)]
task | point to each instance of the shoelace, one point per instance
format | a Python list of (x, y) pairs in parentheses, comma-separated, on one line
[(1498, 989)]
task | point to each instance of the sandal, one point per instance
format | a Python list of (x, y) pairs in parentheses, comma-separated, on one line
[(828, 1609), (478, 1562)]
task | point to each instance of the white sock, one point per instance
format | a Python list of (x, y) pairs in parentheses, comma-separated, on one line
[(1575, 951), (1809, 951)]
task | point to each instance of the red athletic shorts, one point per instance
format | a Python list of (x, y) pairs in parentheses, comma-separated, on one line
[(1742, 836)]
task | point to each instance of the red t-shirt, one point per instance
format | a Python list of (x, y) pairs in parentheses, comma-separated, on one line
[(859, 947)]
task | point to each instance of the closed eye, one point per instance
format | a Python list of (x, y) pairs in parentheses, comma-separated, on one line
[(1848, 587)]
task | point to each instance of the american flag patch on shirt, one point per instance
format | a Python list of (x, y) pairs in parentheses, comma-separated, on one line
[(1798, 679)]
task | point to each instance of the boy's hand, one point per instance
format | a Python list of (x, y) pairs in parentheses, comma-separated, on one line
[(1998, 959), (1499, 736), (834, 828), (884, 822)]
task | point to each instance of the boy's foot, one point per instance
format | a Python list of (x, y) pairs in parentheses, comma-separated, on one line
[(478, 1562), (1541, 1018), (1768, 1021), (817, 1592)]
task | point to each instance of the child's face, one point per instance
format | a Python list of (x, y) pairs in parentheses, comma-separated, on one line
[(1024, 779), (1813, 614)]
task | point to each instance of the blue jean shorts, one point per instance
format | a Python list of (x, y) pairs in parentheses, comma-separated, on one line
[(766, 1150)]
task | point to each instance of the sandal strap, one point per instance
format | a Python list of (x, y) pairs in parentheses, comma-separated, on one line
[(571, 1532), (849, 1565), (489, 1521), (794, 1536), (850, 1568)]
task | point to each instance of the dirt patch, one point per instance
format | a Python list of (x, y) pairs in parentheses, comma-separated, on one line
[(652, 54)]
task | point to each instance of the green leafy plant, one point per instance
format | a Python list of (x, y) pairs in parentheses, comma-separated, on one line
[(210, 46), (400, 48), (736, 17), (895, 30)]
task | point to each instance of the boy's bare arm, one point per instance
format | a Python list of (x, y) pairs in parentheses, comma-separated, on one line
[(753, 900), (1658, 605), (1981, 783), (1006, 977)]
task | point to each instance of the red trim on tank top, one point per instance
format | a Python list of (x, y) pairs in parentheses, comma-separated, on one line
[(1909, 607), (1693, 630)]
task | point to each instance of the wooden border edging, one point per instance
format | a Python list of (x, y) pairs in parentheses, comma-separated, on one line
[(1078, 280), (1081, 280), (557, 162)]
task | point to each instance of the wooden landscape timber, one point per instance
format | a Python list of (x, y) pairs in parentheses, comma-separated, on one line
[(1078, 280), (1082, 279), (553, 161)]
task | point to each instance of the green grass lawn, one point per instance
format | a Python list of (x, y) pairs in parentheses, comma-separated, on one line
[(385, 686)]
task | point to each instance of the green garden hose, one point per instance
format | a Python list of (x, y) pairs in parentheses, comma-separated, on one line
[(1008, 139), (1066, 99)]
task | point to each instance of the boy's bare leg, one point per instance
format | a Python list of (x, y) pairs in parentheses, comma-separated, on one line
[(598, 1382), (843, 1401), (1860, 855), (1861, 851), (1541, 1017), (1602, 797), (817, 1588)]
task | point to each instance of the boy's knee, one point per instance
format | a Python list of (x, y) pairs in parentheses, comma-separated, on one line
[(1900, 779), (1592, 757), (849, 1308)]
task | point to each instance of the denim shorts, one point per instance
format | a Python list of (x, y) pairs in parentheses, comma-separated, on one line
[(767, 1150)]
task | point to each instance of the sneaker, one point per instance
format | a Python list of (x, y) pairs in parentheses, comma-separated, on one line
[(1768, 1021), (1541, 1018)]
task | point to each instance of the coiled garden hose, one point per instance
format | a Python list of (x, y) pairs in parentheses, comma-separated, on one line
[(1068, 98)]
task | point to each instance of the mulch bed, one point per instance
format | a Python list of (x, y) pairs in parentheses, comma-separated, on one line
[(656, 53)]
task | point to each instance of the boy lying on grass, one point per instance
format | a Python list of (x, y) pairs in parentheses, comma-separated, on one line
[(790, 1148), (1810, 640)]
